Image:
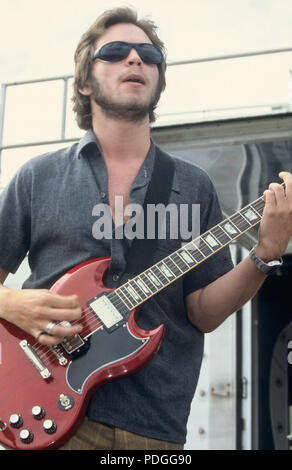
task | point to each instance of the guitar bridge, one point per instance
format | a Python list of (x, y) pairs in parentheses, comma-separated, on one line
[(35, 359), (59, 355)]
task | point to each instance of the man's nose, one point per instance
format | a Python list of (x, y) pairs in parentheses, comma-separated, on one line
[(133, 57)]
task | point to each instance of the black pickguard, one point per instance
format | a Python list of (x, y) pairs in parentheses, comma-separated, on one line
[(104, 349)]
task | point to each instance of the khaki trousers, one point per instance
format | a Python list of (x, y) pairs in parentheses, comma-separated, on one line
[(97, 436)]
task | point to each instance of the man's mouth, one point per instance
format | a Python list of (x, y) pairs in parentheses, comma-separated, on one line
[(134, 78)]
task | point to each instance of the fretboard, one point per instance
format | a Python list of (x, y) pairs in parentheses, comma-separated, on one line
[(140, 288)]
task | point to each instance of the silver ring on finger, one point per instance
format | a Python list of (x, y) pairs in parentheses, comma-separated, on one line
[(40, 334), (50, 326)]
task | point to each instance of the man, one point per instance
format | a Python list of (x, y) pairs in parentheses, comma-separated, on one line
[(117, 87)]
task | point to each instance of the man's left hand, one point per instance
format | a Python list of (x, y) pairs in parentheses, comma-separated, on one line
[(276, 225)]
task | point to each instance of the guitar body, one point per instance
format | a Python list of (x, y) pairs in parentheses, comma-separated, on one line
[(59, 382)]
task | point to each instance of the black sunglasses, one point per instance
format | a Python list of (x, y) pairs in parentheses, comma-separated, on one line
[(119, 50)]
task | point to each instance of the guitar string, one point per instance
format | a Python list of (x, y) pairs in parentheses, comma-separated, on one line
[(174, 274), (95, 319), (117, 302), (121, 303), (47, 352), (161, 277)]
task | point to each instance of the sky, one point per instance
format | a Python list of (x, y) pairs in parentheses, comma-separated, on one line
[(38, 40)]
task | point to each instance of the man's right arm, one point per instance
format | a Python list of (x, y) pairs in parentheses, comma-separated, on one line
[(32, 309)]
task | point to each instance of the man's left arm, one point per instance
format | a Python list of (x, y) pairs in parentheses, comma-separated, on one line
[(209, 306)]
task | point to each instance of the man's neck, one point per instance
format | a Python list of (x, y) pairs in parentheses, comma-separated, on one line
[(122, 140)]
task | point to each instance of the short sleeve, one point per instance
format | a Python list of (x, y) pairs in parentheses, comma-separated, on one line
[(14, 222)]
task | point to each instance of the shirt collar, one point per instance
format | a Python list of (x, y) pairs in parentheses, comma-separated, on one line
[(143, 178), (87, 140)]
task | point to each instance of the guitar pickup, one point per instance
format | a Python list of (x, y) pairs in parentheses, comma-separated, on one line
[(106, 312), (74, 346)]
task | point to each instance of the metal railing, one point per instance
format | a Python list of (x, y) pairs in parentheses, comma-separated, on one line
[(66, 78)]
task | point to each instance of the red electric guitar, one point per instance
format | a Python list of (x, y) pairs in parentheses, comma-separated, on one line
[(45, 390)]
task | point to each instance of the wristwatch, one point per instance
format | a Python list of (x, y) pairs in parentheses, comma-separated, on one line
[(267, 268)]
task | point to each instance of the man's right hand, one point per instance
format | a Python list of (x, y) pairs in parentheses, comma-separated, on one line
[(33, 309)]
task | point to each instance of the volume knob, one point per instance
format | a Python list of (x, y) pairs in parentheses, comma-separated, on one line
[(38, 412), (15, 420), (26, 436), (49, 426)]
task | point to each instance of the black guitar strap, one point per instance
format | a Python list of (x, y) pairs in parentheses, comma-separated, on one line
[(140, 254)]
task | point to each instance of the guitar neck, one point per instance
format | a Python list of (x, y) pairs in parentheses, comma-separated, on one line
[(169, 269)]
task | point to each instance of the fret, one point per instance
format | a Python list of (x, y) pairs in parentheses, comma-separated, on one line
[(183, 259), (250, 214), (176, 261), (154, 279), (241, 214), (162, 278), (240, 222), (217, 239), (211, 240), (148, 281), (118, 302), (230, 228), (194, 251), (166, 271), (204, 248), (259, 205), (143, 287), (124, 292), (221, 234), (133, 292), (257, 212), (172, 266), (124, 298), (135, 287)]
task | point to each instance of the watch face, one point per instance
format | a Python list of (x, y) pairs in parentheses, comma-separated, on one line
[(275, 263)]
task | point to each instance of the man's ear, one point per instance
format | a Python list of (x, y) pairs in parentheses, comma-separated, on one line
[(86, 91)]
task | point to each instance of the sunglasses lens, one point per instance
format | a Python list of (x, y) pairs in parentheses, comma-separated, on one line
[(118, 50), (114, 51), (149, 53)]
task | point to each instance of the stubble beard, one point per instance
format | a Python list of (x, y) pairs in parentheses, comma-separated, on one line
[(133, 110)]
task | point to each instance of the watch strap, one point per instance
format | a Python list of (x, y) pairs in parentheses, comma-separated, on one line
[(266, 268)]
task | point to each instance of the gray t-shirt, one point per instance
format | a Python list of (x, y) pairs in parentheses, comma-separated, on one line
[(46, 212)]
